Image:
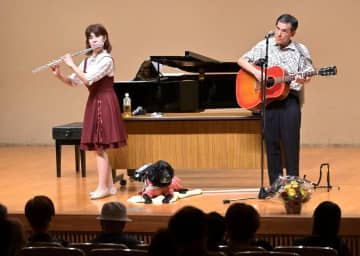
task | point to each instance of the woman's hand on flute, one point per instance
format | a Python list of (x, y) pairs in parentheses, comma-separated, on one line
[(67, 59), (55, 70)]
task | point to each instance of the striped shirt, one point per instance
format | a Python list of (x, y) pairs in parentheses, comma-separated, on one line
[(96, 68)]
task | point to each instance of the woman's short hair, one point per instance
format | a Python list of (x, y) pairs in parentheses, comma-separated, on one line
[(98, 30)]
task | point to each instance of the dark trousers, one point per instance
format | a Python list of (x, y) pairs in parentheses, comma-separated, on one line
[(282, 130)]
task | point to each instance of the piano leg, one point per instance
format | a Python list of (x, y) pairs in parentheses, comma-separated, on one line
[(77, 160), (83, 163), (58, 158)]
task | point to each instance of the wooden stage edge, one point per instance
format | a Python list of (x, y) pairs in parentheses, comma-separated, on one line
[(27, 171)]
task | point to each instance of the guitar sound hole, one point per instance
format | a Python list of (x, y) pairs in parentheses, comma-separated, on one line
[(270, 82)]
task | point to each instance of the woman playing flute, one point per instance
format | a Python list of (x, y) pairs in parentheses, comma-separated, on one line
[(103, 126)]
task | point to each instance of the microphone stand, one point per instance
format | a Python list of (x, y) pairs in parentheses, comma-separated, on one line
[(264, 65), (263, 62)]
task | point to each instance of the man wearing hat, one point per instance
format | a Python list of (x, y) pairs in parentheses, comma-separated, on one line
[(113, 219)]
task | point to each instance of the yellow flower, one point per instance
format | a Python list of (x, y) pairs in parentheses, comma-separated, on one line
[(294, 188), (291, 192), (294, 184)]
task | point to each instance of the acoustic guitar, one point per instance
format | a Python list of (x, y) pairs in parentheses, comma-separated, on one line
[(248, 88)]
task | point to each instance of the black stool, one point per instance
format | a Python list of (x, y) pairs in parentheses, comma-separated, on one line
[(69, 134)]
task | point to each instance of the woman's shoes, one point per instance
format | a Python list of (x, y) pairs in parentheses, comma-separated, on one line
[(100, 194), (113, 191), (108, 192)]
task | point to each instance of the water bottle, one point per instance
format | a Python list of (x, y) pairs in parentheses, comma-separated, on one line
[(127, 105)]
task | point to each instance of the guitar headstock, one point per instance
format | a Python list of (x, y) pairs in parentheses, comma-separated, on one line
[(328, 71)]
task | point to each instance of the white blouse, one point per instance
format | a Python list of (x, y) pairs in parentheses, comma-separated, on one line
[(96, 68)]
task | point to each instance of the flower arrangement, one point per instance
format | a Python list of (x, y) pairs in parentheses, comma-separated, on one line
[(292, 188)]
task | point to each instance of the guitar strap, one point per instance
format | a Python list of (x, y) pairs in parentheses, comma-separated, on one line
[(302, 53), (300, 94)]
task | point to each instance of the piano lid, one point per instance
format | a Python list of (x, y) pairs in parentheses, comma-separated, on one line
[(196, 63)]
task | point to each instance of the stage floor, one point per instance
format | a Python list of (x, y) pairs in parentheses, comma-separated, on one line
[(27, 171)]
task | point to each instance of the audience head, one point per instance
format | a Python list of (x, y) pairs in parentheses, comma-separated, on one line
[(189, 226), (113, 217), (12, 236), (216, 230), (242, 222), (3, 212), (327, 218), (162, 243), (39, 212)]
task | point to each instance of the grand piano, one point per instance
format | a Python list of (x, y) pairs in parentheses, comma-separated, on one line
[(207, 84), (202, 127)]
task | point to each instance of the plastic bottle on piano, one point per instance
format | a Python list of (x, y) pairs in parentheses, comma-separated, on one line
[(127, 105)]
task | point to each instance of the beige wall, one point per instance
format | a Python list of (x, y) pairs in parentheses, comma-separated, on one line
[(34, 32)]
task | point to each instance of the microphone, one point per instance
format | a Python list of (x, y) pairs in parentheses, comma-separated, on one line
[(269, 34)]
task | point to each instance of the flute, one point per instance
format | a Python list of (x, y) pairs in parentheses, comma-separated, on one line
[(58, 61)]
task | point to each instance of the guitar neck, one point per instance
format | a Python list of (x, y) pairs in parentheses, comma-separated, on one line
[(290, 78)]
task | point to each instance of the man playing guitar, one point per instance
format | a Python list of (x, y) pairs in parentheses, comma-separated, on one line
[(282, 119)]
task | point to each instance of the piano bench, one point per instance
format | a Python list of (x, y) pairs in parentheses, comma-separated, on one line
[(69, 134)]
